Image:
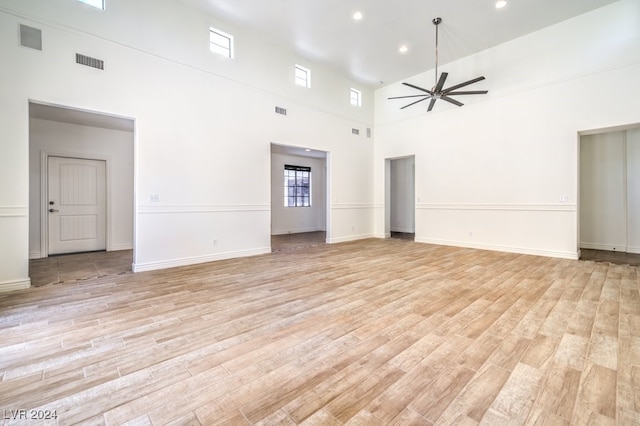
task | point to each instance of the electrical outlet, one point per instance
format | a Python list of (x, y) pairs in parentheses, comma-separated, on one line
[(564, 198), (154, 198), (215, 242)]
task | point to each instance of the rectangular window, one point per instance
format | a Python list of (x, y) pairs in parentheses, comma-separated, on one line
[(356, 97), (297, 186), (95, 3), (303, 76), (220, 42)]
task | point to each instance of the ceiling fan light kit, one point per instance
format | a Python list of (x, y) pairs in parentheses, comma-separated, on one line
[(438, 91)]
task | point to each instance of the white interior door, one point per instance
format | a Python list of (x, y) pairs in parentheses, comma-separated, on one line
[(77, 205)]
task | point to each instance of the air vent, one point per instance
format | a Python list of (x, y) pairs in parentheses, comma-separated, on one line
[(30, 37), (280, 110), (355, 131), (368, 132), (89, 61)]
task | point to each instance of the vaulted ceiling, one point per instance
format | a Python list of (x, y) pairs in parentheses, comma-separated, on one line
[(367, 50)]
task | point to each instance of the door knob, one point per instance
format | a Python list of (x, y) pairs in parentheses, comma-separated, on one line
[(52, 210)]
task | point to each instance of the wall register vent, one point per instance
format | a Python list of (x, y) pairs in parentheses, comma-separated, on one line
[(89, 61), (280, 110), (30, 37), (355, 131)]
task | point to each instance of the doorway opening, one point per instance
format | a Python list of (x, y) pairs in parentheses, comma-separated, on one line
[(300, 212), (81, 191), (609, 195), (400, 206)]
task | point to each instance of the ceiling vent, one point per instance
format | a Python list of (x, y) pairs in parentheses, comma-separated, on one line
[(355, 131), (280, 110), (89, 61), (30, 37)]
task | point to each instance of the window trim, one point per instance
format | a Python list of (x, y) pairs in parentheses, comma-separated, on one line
[(355, 95), (286, 186), (219, 49), (302, 81)]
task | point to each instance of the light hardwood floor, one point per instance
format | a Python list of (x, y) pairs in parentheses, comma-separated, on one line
[(364, 333)]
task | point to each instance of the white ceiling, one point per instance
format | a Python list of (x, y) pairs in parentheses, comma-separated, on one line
[(367, 50)]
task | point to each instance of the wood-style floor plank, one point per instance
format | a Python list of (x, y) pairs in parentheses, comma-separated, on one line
[(373, 332)]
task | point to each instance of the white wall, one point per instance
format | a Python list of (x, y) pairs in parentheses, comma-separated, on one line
[(603, 203), (285, 220), (63, 139), (402, 195), (198, 117), (501, 172)]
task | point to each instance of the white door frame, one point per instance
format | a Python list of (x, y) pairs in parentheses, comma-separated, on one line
[(387, 193), (44, 195)]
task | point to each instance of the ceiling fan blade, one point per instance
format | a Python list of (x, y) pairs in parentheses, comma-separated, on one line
[(413, 103), (469, 92), (441, 80), (466, 83), (451, 100), (431, 104), (409, 96), (419, 88)]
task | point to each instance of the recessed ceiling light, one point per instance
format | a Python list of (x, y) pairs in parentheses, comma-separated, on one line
[(500, 4), (403, 49), (357, 16)]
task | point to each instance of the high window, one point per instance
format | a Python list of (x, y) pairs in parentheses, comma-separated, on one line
[(221, 42), (303, 76), (95, 3), (297, 186), (356, 97)]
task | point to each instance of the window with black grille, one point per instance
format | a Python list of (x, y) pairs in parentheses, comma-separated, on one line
[(297, 186)]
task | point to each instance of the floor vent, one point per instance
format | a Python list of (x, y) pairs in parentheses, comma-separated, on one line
[(89, 61), (280, 110), (30, 37), (355, 131)]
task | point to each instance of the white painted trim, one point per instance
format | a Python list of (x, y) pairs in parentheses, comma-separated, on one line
[(14, 211), (499, 207), (186, 261), (353, 206), (350, 238), (34, 255), (117, 247), (172, 209), (15, 285), (404, 230), (606, 247), (297, 231), (633, 250), (493, 247)]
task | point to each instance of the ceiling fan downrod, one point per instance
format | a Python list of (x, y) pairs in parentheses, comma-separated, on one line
[(438, 91)]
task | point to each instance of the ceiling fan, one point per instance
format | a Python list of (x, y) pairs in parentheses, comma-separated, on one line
[(437, 91)]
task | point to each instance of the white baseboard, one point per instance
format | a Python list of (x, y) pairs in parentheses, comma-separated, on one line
[(152, 266), (296, 231), (118, 247), (34, 255), (607, 247), (350, 238), (404, 230), (15, 285), (633, 250), (508, 249)]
